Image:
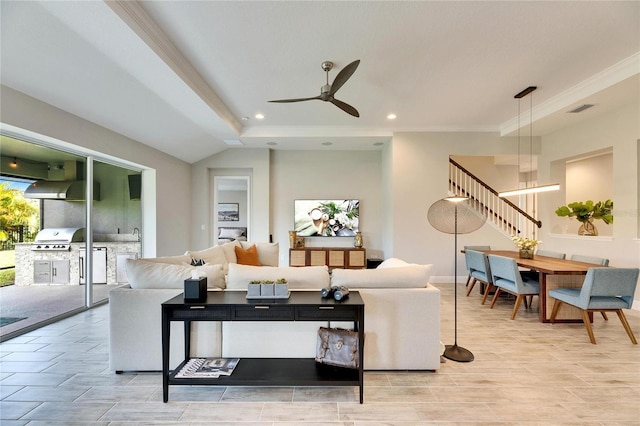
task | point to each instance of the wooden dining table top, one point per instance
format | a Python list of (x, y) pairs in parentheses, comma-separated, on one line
[(547, 265)]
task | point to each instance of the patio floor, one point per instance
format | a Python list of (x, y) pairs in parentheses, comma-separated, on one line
[(38, 303)]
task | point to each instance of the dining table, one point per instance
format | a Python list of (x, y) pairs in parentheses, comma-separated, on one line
[(552, 273)]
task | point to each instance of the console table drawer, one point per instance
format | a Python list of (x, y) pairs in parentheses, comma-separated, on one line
[(333, 313), (263, 312), (200, 313)]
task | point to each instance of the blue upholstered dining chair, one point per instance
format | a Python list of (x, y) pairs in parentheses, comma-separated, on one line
[(476, 248), (549, 253), (479, 270), (604, 289), (589, 259), (506, 277)]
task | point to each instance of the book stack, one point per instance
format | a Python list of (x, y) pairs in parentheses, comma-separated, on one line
[(207, 368)]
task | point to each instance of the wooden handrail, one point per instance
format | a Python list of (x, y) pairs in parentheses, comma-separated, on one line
[(533, 220)]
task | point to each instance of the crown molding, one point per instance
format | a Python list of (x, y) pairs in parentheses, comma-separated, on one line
[(614, 74)]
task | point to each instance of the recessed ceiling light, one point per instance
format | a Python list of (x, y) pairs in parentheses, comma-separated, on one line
[(233, 142), (391, 117), (272, 143), (259, 116), (327, 143), (245, 118)]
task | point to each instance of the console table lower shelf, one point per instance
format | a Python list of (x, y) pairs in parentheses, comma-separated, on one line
[(276, 372), (233, 306)]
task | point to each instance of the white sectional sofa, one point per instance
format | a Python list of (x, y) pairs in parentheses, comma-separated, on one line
[(402, 312)]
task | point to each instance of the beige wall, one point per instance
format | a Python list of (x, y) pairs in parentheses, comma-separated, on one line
[(619, 130), (166, 221)]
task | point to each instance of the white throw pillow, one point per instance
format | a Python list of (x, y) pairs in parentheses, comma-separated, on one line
[(398, 277), (393, 262), (230, 251), (230, 233), (309, 277), (268, 253), (212, 255), (144, 274)]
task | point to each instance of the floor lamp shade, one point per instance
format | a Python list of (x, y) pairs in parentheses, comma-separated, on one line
[(456, 215)]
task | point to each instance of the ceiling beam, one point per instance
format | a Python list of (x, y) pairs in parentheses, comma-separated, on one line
[(132, 14)]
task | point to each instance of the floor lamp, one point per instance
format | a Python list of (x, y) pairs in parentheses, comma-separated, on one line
[(456, 215)]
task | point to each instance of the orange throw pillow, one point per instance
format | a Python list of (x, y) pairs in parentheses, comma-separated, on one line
[(248, 256)]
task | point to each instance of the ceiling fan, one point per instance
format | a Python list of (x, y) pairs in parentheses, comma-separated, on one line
[(328, 90)]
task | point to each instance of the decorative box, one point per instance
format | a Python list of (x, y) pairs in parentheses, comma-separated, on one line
[(195, 289)]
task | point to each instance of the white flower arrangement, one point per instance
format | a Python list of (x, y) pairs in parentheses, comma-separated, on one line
[(524, 243)]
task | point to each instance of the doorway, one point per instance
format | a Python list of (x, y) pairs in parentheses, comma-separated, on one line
[(231, 207)]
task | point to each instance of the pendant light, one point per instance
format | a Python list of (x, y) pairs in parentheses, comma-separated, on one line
[(527, 189)]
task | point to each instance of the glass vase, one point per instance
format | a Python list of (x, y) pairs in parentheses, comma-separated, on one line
[(526, 253)]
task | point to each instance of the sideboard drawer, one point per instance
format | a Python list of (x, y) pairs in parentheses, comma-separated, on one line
[(329, 312), (200, 313), (263, 312)]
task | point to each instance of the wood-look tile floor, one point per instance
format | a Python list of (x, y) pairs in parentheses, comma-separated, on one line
[(524, 372)]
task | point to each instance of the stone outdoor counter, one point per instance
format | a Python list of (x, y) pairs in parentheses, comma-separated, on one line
[(67, 263)]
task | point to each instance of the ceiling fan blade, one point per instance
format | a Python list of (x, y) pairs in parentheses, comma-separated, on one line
[(346, 107), (344, 75), (295, 100)]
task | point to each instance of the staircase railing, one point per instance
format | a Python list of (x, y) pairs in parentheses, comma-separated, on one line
[(502, 213)]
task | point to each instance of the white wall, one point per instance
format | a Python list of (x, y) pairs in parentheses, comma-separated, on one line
[(617, 129), (167, 229), (232, 162), (327, 175), (420, 163)]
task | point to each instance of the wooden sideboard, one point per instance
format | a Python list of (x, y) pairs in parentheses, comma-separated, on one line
[(333, 257)]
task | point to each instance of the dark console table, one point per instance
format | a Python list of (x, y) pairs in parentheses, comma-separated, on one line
[(234, 306)]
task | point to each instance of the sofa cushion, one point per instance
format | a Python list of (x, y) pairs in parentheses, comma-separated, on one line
[(145, 274), (229, 250), (268, 253), (248, 256), (212, 255), (231, 233), (175, 260), (308, 277), (393, 262), (396, 277)]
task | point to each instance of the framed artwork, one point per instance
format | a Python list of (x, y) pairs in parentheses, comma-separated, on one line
[(228, 212)]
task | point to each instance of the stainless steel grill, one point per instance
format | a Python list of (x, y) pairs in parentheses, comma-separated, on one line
[(57, 239)]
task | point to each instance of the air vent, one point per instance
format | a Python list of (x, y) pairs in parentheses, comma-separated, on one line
[(580, 108)]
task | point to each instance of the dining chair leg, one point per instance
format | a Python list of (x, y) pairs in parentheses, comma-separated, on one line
[(495, 297), (487, 288), (473, 283), (468, 279), (519, 300), (627, 327), (587, 324), (604, 315), (554, 310)]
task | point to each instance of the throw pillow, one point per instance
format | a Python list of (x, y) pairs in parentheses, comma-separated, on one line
[(397, 277), (197, 262), (145, 274), (268, 253), (230, 233), (229, 250), (211, 255), (309, 277), (393, 262), (248, 257)]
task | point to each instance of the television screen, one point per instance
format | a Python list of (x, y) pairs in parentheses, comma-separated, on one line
[(326, 218)]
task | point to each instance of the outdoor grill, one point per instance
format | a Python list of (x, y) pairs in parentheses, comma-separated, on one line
[(57, 239)]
